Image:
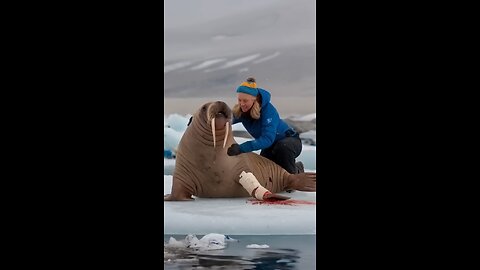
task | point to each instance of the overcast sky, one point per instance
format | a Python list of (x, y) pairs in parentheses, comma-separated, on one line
[(178, 13)]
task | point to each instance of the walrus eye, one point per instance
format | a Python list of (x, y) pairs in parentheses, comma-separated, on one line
[(190, 121)]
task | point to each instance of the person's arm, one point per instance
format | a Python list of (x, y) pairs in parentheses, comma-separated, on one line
[(269, 128)]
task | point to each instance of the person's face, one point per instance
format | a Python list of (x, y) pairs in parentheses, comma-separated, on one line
[(245, 101)]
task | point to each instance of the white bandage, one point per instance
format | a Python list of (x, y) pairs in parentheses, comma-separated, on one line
[(250, 182)]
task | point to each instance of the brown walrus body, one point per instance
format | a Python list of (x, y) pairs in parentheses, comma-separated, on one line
[(204, 169)]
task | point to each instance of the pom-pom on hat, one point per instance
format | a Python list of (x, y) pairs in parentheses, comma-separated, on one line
[(248, 87)]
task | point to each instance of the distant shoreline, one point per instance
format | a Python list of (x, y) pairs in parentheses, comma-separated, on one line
[(286, 106)]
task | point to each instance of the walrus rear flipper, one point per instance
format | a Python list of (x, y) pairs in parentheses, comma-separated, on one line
[(303, 182)]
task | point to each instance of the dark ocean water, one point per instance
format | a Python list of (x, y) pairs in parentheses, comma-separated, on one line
[(284, 252)]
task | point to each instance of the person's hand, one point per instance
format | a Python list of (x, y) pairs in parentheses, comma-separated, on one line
[(234, 150)]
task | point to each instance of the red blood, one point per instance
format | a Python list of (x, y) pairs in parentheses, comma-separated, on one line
[(280, 202)]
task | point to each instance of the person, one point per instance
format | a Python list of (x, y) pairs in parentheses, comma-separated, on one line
[(276, 139)]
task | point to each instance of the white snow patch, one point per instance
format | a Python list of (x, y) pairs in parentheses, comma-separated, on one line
[(175, 66), (236, 62), (208, 63), (266, 58)]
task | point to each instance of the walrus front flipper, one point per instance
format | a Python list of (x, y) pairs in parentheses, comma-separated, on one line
[(179, 192), (274, 197), (253, 187)]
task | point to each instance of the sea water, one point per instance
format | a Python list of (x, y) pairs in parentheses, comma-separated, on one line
[(284, 252)]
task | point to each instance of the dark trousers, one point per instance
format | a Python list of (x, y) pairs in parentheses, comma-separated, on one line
[(284, 152)]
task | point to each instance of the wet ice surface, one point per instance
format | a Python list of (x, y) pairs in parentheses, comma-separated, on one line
[(284, 252), (240, 216)]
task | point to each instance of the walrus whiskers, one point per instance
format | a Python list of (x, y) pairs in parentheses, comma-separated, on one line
[(213, 131), (226, 135)]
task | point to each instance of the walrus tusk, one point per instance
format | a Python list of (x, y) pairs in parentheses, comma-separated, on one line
[(226, 135), (213, 131), (250, 183)]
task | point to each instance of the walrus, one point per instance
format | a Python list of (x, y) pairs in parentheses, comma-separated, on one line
[(203, 168)]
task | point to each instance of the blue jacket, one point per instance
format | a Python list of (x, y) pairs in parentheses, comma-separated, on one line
[(266, 130)]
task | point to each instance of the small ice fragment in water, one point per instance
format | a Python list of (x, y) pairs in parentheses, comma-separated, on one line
[(257, 246), (211, 241)]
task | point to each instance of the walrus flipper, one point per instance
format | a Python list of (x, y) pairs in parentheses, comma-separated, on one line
[(275, 197), (303, 182), (256, 190), (179, 192)]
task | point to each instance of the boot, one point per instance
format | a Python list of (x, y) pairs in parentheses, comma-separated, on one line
[(300, 168)]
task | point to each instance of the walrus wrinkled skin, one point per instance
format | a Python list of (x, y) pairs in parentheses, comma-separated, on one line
[(204, 169)]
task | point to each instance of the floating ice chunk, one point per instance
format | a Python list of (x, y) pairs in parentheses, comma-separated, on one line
[(309, 157), (177, 122), (171, 139), (172, 242), (258, 246), (211, 241), (309, 137)]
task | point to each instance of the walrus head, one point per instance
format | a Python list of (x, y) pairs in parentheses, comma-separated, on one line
[(216, 116)]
